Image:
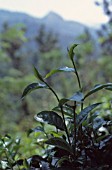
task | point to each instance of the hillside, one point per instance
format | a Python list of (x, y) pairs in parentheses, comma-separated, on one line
[(67, 31)]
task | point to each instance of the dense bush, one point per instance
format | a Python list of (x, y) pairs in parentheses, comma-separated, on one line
[(73, 135)]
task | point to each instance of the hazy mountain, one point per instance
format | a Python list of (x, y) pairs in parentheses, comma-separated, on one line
[(67, 31)]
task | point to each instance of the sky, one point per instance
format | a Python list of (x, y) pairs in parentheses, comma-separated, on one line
[(83, 11)]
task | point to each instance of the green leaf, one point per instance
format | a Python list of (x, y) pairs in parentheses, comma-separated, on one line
[(37, 74), (78, 97), (55, 134), (98, 122), (71, 51), (51, 118), (36, 129), (82, 116), (63, 69), (109, 88), (106, 143), (97, 88), (63, 101), (32, 87), (60, 143), (61, 160), (67, 110)]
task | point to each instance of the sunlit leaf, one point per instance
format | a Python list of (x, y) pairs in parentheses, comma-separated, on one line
[(51, 118), (55, 134), (60, 143), (78, 97), (32, 87), (63, 69), (36, 129), (71, 51)]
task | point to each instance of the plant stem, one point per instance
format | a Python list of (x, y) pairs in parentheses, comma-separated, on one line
[(61, 107), (78, 79), (80, 87), (74, 129), (79, 83)]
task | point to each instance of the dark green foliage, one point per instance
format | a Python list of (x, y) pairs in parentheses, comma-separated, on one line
[(97, 88), (32, 87), (60, 143), (71, 135), (37, 74), (82, 138), (82, 116), (51, 118)]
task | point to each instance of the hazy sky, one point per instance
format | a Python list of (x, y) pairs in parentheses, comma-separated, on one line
[(84, 11)]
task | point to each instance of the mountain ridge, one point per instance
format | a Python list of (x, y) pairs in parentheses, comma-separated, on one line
[(67, 31)]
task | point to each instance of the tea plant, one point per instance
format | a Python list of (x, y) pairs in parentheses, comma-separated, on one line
[(81, 138), (8, 151), (73, 135)]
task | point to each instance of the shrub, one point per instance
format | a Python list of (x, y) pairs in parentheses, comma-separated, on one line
[(73, 135)]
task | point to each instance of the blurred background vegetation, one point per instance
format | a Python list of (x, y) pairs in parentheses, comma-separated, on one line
[(93, 59)]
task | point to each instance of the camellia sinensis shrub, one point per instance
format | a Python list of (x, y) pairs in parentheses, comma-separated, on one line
[(72, 135)]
